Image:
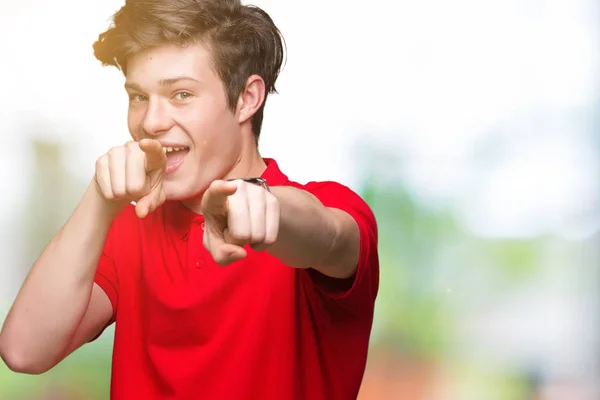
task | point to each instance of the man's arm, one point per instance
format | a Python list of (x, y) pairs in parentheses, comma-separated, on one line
[(289, 223), (59, 307), (314, 236)]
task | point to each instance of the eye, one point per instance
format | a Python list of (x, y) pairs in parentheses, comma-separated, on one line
[(137, 98), (181, 96)]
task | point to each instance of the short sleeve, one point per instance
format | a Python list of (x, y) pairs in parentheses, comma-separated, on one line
[(106, 273), (357, 293)]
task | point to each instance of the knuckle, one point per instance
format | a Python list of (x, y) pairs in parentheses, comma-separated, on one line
[(135, 187), (242, 187), (114, 151), (271, 199), (258, 237), (134, 193), (101, 163), (218, 257), (119, 192), (133, 148), (269, 240), (252, 189), (241, 236), (271, 236)]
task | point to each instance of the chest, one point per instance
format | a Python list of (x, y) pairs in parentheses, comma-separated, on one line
[(178, 296)]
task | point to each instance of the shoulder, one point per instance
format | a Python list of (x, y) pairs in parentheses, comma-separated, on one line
[(337, 195), (327, 189), (356, 294), (330, 190)]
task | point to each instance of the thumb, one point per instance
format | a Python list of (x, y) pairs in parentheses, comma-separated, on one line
[(156, 158), (150, 202)]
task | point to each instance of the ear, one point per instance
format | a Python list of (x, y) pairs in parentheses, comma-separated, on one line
[(251, 98)]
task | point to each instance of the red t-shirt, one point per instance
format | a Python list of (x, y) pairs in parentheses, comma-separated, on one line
[(187, 328)]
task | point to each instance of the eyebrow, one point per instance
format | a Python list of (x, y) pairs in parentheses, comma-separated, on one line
[(163, 82)]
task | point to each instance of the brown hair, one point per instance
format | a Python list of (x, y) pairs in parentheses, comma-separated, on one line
[(243, 39)]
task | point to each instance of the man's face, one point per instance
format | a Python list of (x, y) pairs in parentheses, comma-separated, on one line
[(177, 98)]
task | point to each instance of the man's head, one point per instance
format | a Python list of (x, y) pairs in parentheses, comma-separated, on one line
[(197, 73)]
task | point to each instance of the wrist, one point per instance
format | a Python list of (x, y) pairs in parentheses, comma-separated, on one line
[(103, 207)]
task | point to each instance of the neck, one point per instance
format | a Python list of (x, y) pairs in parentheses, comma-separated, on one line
[(249, 164)]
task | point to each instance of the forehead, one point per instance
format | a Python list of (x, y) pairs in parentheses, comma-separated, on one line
[(170, 60)]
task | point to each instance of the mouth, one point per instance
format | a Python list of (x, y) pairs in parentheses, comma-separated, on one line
[(175, 157)]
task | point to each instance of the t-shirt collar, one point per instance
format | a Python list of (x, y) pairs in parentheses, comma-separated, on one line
[(181, 218)]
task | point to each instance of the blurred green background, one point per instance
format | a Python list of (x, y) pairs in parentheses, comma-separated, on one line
[(471, 128)]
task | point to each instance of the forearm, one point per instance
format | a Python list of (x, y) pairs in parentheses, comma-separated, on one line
[(56, 292), (308, 231)]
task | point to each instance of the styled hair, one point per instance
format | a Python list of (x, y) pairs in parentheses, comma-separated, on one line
[(243, 40)]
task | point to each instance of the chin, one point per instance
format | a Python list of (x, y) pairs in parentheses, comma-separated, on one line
[(183, 190)]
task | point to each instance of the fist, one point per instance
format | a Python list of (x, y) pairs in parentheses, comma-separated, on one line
[(236, 214), (133, 172)]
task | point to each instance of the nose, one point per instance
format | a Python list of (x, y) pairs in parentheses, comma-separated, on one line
[(157, 119)]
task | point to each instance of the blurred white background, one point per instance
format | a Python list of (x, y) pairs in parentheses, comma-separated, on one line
[(489, 108)]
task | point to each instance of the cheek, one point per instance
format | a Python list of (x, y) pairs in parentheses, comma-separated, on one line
[(215, 130), (221, 141), (134, 127)]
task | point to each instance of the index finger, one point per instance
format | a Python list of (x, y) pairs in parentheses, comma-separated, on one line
[(155, 156), (215, 198)]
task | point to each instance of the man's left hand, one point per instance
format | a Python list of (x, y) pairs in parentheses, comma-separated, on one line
[(236, 214)]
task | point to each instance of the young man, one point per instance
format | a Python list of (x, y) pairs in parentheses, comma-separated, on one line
[(226, 279)]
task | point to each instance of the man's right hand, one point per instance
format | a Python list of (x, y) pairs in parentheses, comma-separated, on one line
[(133, 172)]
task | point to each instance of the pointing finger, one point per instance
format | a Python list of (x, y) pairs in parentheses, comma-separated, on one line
[(156, 159), (215, 198)]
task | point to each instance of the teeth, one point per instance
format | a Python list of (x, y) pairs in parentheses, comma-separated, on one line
[(170, 149)]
